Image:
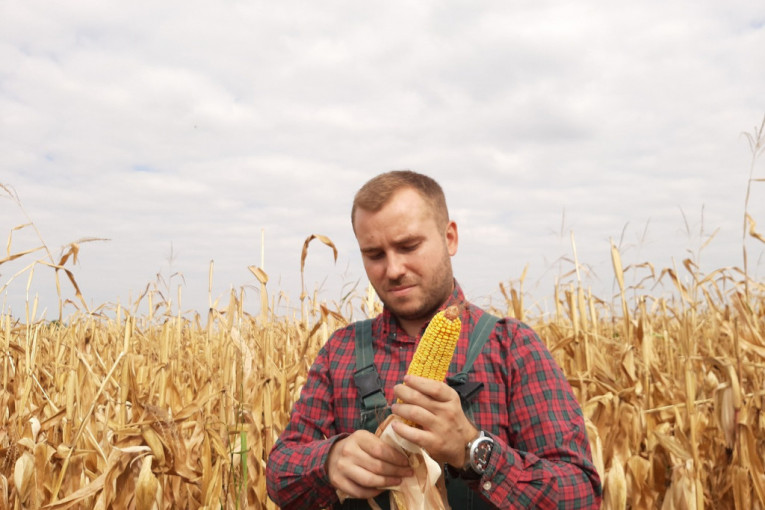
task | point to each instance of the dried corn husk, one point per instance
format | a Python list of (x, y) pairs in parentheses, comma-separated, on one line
[(420, 491), (147, 489)]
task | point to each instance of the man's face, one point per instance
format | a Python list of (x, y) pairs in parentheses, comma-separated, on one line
[(407, 254)]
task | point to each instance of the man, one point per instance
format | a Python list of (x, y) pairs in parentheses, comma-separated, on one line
[(519, 443)]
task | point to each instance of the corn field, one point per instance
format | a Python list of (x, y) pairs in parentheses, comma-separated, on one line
[(162, 411), (116, 408)]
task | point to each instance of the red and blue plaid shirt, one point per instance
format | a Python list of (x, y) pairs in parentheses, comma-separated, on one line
[(541, 457)]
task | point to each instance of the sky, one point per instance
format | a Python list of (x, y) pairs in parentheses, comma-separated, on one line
[(185, 133)]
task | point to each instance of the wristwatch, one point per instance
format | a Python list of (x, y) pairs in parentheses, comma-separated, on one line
[(477, 454)]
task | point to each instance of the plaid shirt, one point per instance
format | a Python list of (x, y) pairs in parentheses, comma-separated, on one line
[(541, 456)]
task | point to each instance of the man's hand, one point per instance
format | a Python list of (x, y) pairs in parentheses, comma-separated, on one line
[(361, 464), (436, 408)]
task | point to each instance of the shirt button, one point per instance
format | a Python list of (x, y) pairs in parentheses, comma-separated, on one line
[(487, 486)]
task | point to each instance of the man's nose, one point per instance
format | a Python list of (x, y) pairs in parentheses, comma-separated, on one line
[(396, 267)]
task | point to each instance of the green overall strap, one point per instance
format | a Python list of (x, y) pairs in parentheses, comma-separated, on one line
[(459, 381), (367, 378), (374, 407)]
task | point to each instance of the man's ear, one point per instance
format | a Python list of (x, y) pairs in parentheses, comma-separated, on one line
[(452, 238)]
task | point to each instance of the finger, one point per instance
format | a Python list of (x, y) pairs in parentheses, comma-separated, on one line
[(412, 434), (437, 390), (409, 395), (383, 468), (444, 443), (383, 455), (366, 484), (413, 412), (362, 476), (384, 461), (353, 490), (406, 393)]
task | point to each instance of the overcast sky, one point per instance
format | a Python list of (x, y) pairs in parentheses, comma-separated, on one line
[(182, 130)]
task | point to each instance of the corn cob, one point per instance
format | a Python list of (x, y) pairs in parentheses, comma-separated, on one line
[(436, 347)]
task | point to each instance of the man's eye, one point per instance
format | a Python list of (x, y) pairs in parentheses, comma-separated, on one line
[(375, 255), (409, 247)]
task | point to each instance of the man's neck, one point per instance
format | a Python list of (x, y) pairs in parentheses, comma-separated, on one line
[(413, 327)]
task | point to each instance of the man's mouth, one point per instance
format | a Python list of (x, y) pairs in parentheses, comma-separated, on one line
[(399, 290)]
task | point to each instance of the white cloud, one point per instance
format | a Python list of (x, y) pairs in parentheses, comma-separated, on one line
[(200, 124)]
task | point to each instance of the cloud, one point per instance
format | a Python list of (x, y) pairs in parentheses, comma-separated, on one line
[(199, 125)]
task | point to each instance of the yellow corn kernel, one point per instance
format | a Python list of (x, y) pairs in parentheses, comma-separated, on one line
[(436, 348)]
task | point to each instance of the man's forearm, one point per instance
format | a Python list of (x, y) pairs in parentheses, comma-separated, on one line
[(296, 475)]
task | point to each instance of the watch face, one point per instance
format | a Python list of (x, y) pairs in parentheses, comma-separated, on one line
[(481, 452)]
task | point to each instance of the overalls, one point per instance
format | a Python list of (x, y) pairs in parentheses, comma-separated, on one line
[(374, 407)]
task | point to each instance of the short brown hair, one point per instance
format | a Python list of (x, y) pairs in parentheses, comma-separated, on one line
[(378, 191)]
